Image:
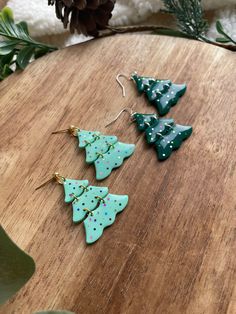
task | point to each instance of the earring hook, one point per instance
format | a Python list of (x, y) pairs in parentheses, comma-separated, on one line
[(56, 176), (120, 83), (129, 110)]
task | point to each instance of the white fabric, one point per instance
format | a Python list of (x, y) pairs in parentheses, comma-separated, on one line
[(42, 20)]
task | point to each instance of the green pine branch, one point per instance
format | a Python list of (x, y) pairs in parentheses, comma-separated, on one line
[(189, 16), (191, 22), (19, 48)]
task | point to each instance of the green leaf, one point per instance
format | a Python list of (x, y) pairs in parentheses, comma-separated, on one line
[(7, 19), (220, 28), (19, 31), (8, 12), (221, 31), (20, 47), (24, 57), (11, 29), (16, 267), (222, 40), (24, 27), (6, 71), (6, 59), (7, 46), (54, 312), (40, 52)]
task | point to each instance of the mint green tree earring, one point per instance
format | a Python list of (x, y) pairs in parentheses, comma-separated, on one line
[(163, 94), (103, 150), (164, 134), (92, 205)]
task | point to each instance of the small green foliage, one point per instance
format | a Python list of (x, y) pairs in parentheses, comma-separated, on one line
[(189, 15), (192, 24), (24, 56), (16, 267), (225, 37), (18, 49)]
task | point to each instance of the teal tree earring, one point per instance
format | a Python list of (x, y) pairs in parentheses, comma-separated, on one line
[(164, 134), (103, 150), (163, 94), (92, 205)]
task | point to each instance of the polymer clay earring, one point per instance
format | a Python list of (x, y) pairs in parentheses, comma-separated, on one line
[(92, 205), (163, 94), (164, 134), (103, 150)]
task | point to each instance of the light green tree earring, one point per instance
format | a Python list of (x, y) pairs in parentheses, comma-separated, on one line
[(105, 151), (92, 205)]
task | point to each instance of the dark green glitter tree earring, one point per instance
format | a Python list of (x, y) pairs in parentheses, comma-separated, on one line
[(163, 134), (163, 94)]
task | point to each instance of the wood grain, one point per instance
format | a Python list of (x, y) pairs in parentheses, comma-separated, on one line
[(173, 249)]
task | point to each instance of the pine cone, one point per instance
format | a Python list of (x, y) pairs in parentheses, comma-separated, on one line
[(85, 16)]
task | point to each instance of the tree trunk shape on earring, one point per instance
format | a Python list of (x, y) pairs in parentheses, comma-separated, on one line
[(163, 94), (104, 151), (94, 206), (163, 133)]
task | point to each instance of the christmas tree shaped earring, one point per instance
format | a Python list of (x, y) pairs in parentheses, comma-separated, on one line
[(92, 205), (103, 150), (163, 94), (164, 134)]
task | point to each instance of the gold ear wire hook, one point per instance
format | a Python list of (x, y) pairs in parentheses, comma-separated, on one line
[(129, 110), (73, 130), (119, 82), (56, 177)]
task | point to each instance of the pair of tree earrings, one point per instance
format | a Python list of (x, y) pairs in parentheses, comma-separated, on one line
[(94, 205), (107, 153), (164, 134)]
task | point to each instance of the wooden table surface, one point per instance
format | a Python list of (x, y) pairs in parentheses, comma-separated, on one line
[(173, 248)]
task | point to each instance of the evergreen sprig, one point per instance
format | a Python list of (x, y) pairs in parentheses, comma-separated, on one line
[(19, 48), (189, 16)]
